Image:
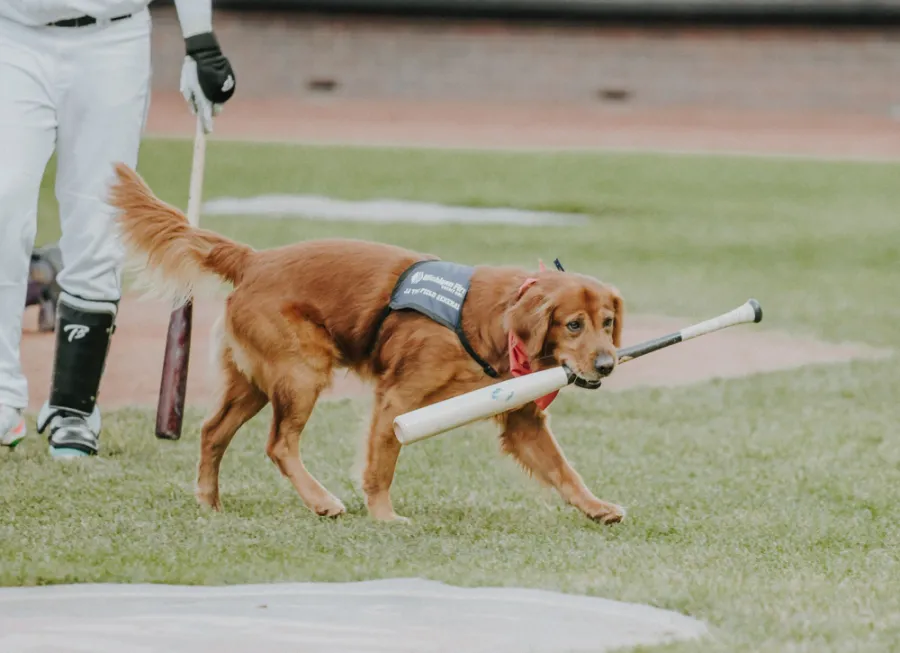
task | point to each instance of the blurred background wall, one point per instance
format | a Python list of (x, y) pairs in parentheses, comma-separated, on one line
[(765, 9), (837, 61)]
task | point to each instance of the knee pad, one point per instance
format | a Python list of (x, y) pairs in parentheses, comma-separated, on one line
[(83, 332)]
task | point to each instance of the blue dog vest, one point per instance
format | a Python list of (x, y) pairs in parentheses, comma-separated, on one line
[(437, 289)]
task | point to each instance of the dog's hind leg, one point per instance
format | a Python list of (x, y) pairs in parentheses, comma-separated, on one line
[(294, 395), (240, 401)]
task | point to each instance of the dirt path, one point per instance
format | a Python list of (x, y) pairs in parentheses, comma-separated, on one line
[(135, 361), (487, 125)]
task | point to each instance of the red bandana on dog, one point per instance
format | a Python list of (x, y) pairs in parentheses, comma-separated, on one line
[(519, 363)]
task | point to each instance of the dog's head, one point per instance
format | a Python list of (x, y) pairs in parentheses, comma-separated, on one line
[(569, 319)]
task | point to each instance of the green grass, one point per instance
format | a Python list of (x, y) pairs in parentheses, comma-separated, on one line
[(769, 507)]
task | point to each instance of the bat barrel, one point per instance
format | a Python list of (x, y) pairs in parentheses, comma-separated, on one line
[(477, 405), (173, 384)]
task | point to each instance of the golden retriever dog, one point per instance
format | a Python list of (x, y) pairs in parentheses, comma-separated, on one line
[(298, 312)]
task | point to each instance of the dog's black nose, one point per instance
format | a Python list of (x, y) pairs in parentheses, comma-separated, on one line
[(604, 364)]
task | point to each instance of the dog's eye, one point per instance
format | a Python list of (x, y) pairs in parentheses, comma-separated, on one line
[(574, 326), (608, 323)]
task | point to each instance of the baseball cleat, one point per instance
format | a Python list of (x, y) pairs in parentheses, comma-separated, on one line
[(12, 426), (71, 434), (71, 437)]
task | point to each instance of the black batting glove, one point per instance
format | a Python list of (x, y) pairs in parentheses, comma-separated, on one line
[(207, 79)]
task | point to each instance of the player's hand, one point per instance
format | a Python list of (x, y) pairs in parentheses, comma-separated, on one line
[(207, 79)]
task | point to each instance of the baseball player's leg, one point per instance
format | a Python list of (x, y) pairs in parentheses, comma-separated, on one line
[(101, 119), (27, 127)]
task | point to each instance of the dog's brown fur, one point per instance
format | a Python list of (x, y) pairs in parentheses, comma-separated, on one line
[(298, 312)]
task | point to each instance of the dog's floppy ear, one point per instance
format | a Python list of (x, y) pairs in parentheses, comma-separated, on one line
[(529, 317), (619, 318)]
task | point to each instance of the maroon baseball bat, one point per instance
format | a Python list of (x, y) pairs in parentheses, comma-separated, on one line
[(173, 385)]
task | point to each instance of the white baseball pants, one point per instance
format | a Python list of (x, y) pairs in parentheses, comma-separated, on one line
[(82, 92)]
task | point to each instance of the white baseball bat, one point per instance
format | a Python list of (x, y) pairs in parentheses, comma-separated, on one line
[(491, 400), (478, 404), (198, 166)]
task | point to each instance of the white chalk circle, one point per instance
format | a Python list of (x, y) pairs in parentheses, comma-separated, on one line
[(314, 207), (385, 616)]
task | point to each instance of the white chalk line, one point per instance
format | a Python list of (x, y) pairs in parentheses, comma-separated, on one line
[(382, 211)]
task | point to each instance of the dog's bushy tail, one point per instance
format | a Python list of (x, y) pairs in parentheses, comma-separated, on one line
[(171, 256)]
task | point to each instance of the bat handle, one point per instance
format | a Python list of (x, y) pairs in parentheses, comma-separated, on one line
[(198, 166), (749, 311)]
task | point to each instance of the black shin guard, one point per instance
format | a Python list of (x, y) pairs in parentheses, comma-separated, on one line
[(83, 333)]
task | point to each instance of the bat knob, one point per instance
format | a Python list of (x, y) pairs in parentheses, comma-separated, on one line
[(757, 310)]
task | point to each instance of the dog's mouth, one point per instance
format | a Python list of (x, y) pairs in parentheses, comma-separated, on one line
[(580, 380), (588, 384)]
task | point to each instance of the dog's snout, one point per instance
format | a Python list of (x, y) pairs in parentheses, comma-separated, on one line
[(604, 364)]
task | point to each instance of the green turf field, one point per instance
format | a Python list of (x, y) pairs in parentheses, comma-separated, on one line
[(768, 507)]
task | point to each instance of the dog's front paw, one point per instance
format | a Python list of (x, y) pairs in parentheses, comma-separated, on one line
[(606, 513), (333, 507)]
